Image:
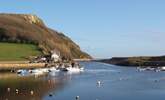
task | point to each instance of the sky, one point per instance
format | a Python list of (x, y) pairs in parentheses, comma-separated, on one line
[(102, 28)]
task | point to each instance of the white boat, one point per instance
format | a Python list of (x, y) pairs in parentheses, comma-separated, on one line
[(146, 69), (150, 68), (140, 69), (162, 68), (75, 69), (36, 71), (22, 71), (45, 70), (39, 71), (53, 69)]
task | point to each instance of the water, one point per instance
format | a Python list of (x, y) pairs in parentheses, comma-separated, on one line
[(117, 83)]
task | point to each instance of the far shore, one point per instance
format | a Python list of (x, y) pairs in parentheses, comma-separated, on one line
[(142, 61)]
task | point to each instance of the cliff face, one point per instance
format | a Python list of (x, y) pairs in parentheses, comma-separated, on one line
[(26, 28)]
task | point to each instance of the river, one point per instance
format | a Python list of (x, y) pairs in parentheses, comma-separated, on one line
[(117, 83)]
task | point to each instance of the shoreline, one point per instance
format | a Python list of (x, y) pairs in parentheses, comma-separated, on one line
[(82, 59), (11, 66), (14, 65)]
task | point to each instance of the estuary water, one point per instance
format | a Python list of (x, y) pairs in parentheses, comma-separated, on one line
[(99, 81)]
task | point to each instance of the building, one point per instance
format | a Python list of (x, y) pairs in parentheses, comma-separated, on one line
[(55, 56)]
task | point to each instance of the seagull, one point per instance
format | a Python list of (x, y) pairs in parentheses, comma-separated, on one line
[(77, 97), (98, 82)]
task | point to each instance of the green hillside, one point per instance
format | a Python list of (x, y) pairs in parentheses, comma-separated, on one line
[(13, 51)]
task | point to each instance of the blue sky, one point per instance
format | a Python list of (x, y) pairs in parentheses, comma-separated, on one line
[(103, 28)]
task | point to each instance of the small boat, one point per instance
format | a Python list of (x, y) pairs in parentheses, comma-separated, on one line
[(37, 71), (22, 71), (63, 69), (141, 69), (53, 69), (162, 68), (157, 70), (75, 69), (150, 69), (146, 69), (45, 70)]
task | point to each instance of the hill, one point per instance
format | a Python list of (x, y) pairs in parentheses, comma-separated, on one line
[(27, 28)]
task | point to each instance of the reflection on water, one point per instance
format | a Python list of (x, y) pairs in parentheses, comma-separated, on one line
[(39, 85), (98, 82)]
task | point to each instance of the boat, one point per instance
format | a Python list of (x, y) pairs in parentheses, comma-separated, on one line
[(75, 69), (150, 69), (22, 71), (63, 69), (39, 71), (157, 69), (53, 69), (162, 68), (45, 70), (140, 69)]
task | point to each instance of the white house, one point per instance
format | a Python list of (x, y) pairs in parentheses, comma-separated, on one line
[(55, 56)]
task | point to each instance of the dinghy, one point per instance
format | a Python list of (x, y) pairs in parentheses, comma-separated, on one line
[(22, 71)]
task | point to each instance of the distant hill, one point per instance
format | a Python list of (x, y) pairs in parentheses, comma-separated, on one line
[(27, 28), (155, 61)]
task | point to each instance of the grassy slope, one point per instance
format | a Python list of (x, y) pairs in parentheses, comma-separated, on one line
[(13, 51)]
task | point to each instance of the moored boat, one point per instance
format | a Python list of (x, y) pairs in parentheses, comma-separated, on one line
[(162, 68), (39, 71), (22, 71), (53, 69), (75, 69)]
